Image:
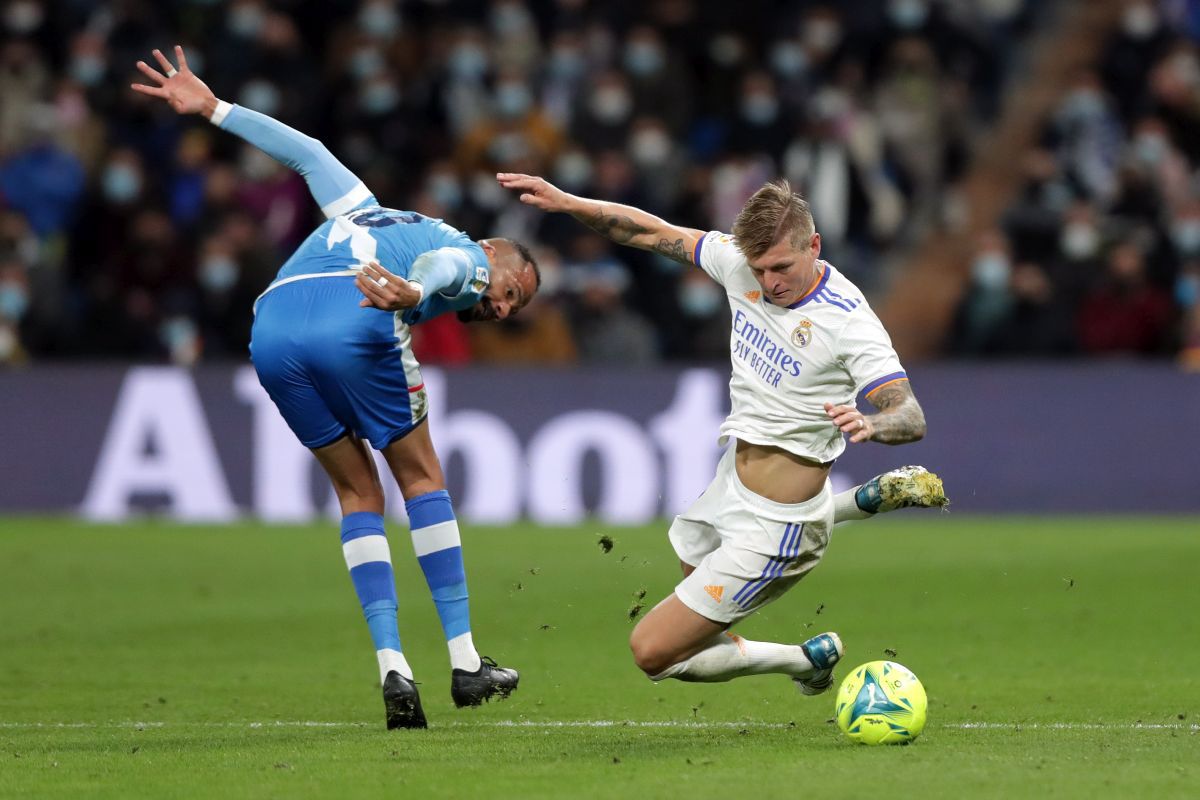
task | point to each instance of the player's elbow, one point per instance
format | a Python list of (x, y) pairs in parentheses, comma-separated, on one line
[(919, 427)]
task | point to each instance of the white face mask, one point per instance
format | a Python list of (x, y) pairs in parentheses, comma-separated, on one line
[(573, 170), (24, 16), (1140, 21), (1080, 241), (611, 105), (760, 108), (823, 35), (1186, 235), (261, 96), (246, 20), (1150, 148), (649, 147)]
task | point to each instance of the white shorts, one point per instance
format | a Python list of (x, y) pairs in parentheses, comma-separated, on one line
[(747, 550)]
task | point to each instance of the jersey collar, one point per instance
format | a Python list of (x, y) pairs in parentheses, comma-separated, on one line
[(815, 289)]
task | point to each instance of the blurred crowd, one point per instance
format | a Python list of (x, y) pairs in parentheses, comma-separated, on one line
[(129, 232), (1100, 253)]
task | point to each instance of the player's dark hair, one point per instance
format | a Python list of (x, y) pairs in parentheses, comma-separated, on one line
[(771, 213), (528, 258)]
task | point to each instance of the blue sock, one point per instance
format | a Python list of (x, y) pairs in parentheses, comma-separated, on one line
[(439, 551), (364, 544)]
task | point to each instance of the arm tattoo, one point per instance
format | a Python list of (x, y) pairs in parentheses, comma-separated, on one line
[(617, 227), (900, 418), (673, 250)]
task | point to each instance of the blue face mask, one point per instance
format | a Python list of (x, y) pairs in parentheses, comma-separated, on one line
[(445, 191), (121, 183), (566, 64), (760, 109), (1187, 290), (88, 70), (991, 272), (643, 58), (513, 100), (218, 274), (379, 98), (366, 62), (789, 59), (468, 62), (379, 19), (14, 301), (698, 299), (908, 14)]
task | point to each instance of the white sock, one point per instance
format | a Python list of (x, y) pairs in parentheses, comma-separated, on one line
[(731, 656), (845, 507), (463, 654), (392, 661)]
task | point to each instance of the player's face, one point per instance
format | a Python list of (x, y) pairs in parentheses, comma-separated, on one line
[(786, 271), (513, 284)]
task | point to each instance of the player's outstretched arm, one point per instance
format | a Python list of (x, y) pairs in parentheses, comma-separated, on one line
[(623, 224), (335, 188), (900, 419)]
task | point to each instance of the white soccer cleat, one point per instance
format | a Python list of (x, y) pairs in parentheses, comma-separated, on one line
[(823, 651), (903, 487)]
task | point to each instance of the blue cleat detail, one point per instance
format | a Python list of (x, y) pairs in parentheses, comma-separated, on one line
[(823, 651)]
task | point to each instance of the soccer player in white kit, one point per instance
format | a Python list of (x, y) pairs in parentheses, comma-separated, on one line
[(804, 343)]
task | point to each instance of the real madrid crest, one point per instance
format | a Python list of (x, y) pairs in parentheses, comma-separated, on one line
[(802, 335)]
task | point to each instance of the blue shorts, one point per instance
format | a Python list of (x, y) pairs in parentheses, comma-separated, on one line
[(334, 368)]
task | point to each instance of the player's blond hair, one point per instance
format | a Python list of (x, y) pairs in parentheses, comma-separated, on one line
[(771, 213)]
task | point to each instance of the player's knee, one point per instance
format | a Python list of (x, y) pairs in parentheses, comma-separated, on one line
[(650, 657)]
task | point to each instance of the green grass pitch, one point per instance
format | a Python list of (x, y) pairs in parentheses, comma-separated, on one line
[(1061, 658)]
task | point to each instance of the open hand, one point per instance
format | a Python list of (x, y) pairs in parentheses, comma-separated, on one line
[(850, 420), (385, 291), (535, 191), (182, 90)]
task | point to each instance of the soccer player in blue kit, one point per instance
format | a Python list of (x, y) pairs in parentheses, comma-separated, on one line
[(331, 345)]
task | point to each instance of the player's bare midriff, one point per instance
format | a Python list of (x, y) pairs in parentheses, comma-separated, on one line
[(778, 475)]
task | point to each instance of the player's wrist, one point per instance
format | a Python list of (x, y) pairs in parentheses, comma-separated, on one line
[(420, 289), (216, 110)]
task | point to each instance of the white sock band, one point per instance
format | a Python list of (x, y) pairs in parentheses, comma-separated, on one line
[(845, 508), (462, 653), (392, 661)]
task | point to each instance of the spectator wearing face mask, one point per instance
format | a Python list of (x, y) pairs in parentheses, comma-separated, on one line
[(659, 83), (515, 136), (983, 311), (1131, 52), (605, 111), (761, 123)]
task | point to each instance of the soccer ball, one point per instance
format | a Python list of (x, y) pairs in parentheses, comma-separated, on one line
[(881, 703)]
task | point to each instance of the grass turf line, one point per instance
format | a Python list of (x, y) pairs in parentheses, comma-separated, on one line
[(1062, 633)]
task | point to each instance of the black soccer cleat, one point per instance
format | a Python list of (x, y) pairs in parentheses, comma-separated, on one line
[(402, 703), (490, 680)]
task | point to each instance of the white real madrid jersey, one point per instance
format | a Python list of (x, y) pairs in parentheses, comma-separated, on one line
[(788, 362)]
